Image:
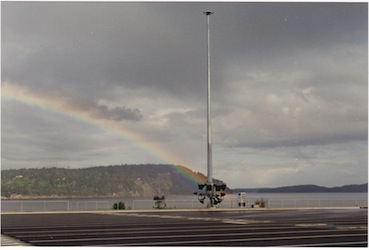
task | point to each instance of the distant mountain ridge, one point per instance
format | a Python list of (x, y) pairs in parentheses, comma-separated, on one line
[(362, 188)]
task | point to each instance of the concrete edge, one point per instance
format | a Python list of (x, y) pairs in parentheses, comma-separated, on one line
[(7, 241)]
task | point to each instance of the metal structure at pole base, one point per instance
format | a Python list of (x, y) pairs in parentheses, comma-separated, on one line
[(212, 192)]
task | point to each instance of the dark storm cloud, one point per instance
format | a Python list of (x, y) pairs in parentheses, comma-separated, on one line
[(117, 113), (97, 45), (264, 30)]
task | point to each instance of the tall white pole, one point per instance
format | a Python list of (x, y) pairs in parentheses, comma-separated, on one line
[(210, 161)]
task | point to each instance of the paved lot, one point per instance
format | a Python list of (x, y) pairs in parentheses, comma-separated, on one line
[(310, 227)]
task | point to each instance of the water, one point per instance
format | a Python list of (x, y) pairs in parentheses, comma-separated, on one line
[(272, 200), (280, 200)]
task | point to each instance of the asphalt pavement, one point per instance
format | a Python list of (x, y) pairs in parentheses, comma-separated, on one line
[(247, 228)]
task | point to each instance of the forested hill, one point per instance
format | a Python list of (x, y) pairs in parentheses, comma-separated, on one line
[(125, 181)]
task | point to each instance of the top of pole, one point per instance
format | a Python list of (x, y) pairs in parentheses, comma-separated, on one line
[(208, 12)]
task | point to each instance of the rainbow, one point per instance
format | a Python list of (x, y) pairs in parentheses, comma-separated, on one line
[(55, 105)]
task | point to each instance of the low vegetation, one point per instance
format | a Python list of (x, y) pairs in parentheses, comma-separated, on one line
[(160, 202), (119, 206)]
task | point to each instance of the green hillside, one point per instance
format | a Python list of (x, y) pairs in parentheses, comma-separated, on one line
[(123, 181)]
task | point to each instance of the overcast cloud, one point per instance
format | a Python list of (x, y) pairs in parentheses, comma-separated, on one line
[(289, 86)]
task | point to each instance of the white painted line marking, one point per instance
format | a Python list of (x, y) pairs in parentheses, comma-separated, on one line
[(311, 225)]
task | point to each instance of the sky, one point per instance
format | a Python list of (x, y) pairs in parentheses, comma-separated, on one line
[(96, 84)]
